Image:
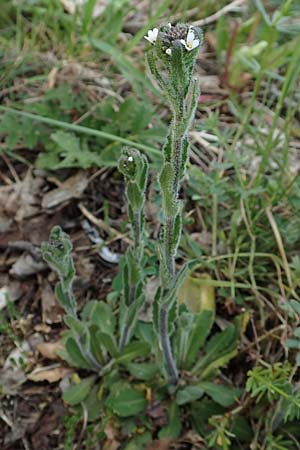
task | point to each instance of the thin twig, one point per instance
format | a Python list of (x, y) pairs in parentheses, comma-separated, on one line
[(214, 17), (102, 225)]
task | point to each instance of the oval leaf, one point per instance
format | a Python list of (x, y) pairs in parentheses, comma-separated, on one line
[(127, 402), (78, 392)]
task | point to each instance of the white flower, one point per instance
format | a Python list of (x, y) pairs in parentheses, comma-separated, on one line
[(152, 35), (190, 43), (130, 159), (168, 51), (169, 25)]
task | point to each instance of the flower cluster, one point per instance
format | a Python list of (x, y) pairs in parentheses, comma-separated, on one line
[(189, 37)]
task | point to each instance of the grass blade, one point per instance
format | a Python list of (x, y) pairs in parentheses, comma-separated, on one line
[(84, 130)]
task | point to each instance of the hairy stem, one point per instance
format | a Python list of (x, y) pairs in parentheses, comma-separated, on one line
[(70, 300), (137, 229), (169, 254), (177, 165), (166, 345)]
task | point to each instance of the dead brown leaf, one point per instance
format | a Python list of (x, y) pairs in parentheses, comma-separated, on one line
[(27, 265), (49, 373), (72, 5), (42, 328), (150, 291), (161, 444), (21, 199), (111, 433), (49, 349), (12, 292), (111, 445), (158, 413), (73, 187), (51, 310)]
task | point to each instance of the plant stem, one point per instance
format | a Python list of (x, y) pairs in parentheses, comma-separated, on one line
[(169, 252), (166, 345), (137, 231), (169, 255), (177, 165), (172, 66)]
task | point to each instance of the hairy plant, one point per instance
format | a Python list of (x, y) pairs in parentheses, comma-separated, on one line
[(134, 166), (171, 60), (108, 337)]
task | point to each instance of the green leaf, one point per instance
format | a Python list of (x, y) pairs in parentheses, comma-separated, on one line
[(144, 332), (218, 362), (127, 401), (72, 152), (134, 268), (129, 315), (263, 12), (109, 343), (296, 306), (78, 392), (297, 332), (135, 196), (103, 317), (76, 356), (189, 394), (143, 371), (87, 311), (219, 350), (75, 325), (202, 410), (63, 298), (171, 296), (177, 230), (293, 343), (201, 328), (242, 429), (93, 404), (139, 442), (173, 429), (95, 345), (132, 351), (221, 394), (166, 179)]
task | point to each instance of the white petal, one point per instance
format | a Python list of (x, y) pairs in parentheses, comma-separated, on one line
[(155, 32), (169, 25), (148, 39), (152, 35), (182, 41), (168, 51), (196, 42), (190, 36)]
